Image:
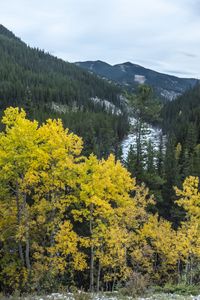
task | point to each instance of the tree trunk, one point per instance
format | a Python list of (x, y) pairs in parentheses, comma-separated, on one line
[(191, 270), (138, 141), (113, 284), (92, 270), (186, 271), (91, 251), (21, 255), (179, 271), (19, 215), (27, 252), (28, 264), (98, 276)]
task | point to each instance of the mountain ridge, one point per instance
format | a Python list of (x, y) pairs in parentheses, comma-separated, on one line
[(9, 34), (130, 75)]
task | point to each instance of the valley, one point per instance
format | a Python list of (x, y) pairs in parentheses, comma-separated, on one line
[(99, 179)]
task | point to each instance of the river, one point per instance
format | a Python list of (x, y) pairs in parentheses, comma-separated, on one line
[(152, 134)]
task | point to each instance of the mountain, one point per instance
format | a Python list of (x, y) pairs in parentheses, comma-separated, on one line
[(50, 87), (130, 75), (47, 77)]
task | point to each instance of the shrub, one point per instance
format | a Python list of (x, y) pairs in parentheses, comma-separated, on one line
[(137, 285)]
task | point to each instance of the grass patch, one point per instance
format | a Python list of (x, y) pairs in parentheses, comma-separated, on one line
[(180, 289)]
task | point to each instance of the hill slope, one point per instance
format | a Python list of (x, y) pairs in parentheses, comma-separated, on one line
[(182, 113), (47, 77), (50, 87), (129, 75)]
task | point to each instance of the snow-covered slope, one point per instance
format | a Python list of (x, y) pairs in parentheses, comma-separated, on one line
[(152, 134)]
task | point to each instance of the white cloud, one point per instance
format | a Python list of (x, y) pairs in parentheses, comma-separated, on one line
[(155, 33)]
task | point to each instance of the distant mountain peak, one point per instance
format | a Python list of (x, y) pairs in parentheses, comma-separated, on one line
[(129, 75), (127, 63), (93, 62)]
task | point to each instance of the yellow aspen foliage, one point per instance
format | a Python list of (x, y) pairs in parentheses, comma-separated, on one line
[(189, 239), (189, 196), (110, 214), (67, 243), (112, 253), (155, 248), (37, 168), (189, 199), (189, 231), (103, 188), (63, 215)]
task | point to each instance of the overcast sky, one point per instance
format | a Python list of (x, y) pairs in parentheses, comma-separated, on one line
[(163, 35)]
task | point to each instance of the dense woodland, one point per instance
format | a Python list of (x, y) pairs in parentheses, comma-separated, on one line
[(178, 154), (36, 80), (69, 221), (73, 213)]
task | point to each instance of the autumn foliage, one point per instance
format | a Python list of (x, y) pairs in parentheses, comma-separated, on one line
[(74, 221)]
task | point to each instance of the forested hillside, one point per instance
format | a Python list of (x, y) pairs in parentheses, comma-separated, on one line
[(177, 154), (184, 111), (181, 122), (47, 86), (48, 79)]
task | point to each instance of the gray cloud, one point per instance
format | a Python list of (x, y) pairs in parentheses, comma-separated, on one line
[(191, 55), (159, 34)]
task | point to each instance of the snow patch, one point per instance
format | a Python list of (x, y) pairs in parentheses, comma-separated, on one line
[(170, 95), (140, 79), (63, 108), (69, 296), (91, 67), (110, 107), (152, 134), (123, 69), (60, 108)]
